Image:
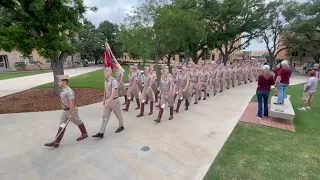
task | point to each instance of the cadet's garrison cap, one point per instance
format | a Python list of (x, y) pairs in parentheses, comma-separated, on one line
[(63, 77), (107, 69)]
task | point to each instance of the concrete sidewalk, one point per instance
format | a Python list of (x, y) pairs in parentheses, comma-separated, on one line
[(181, 149), (11, 86)]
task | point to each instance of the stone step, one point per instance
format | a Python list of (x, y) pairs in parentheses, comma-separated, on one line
[(284, 111)]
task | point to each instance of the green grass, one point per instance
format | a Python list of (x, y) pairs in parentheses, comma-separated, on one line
[(93, 79), (259, 152), (10, 75)]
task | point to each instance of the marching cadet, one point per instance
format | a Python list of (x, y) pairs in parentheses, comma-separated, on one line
[(184, 81), (175, 72), (221, 77), (199, 84), (133, 90), (138, 73), (111, 103), (147, 93), (214, 79), (154, 85), (245, 73), (194, 80), (239, 74), (256, 71), (233, 75), (121, 88), (205, 77), (167, 93), (250, 72), (227, 75), (70, 111)]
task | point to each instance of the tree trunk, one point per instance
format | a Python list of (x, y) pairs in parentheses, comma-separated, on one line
[(57, 68), (225, 59), (272, 59), (194, 57), (168, 60)]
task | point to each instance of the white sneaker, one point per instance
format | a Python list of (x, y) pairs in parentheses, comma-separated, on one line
[(302, 109), (308, 108), (258, 118)]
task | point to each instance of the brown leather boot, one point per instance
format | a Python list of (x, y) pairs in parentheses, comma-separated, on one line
[(156, 96), (151, 108), (83, 132), (127, 106), (174, 97), (125, 100), (56, 142), (187, 104), (158, 120), (138, 104), (141, 110), (178, 105), (171, 113)]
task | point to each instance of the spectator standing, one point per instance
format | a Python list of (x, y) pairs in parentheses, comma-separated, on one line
[(265, 81), (310, 88), (282, 81)]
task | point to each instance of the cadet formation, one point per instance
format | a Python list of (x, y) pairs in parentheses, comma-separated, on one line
[(185, 84)]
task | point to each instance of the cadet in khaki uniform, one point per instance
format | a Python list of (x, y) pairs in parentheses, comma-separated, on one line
[(154, 85), (147, 92), (138, 74), (111, 103), (70, 111), (184, 81), (256, 71), (221, 77), (239, 74), (233, 75), (227, 76), (245, 73), (121, 88), (175, 72), (167, 93), (250, 72), (205, 77), (133, 90), (214, 79), (194, 80)]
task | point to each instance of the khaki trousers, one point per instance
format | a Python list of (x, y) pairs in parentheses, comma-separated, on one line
[(121, 90), (166, 97), (147, 94), (214, 85), (228, 81), (133, 91), (233, 80), (205, 89), (116, 108), (245, 77), (221, 84), (75, 117)]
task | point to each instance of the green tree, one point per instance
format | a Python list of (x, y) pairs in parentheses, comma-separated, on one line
[(271, 33), (47, 26), (180, 29), (303, 32), (110, 32), (231, 21), (90, 43)]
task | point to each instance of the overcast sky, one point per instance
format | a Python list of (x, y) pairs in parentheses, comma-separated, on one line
[(116, 10)]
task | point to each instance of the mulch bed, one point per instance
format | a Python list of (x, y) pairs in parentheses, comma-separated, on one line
[(35, 100)]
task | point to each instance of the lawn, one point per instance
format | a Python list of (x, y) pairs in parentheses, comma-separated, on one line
[(259, 152), (10, 75), (93, 79)]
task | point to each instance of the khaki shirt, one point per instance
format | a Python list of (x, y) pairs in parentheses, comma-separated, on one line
[(132, 78), (174, 73), (165, 84), (194, 76), (66, 95), (183, 79), (221, 73), (147, 80), (204, 76), (112, 83)]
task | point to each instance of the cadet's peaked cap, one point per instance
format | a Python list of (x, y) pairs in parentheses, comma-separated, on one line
[(62, 77)]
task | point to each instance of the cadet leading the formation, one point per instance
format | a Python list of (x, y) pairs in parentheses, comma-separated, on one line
[(70, 111), (111, 103)]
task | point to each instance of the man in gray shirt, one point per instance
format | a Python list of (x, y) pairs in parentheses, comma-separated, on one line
[(310, 88)]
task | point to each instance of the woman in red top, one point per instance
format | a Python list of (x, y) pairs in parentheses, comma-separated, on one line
[(282, 81), (265, 81)]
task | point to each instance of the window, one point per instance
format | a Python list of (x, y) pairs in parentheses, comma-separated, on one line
[(48, 61), (22, 59), (212, 57), (31, 60)]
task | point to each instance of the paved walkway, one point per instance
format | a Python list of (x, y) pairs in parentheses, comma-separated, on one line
[(181, 149), (11, 86)]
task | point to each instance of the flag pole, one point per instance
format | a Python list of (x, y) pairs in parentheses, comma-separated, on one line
[(116, 61)]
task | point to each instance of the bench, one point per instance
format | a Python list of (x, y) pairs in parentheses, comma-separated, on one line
[(284, 111)]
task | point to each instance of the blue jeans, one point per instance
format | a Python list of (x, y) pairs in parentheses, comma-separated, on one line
[(282, 92), (263, 96)]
